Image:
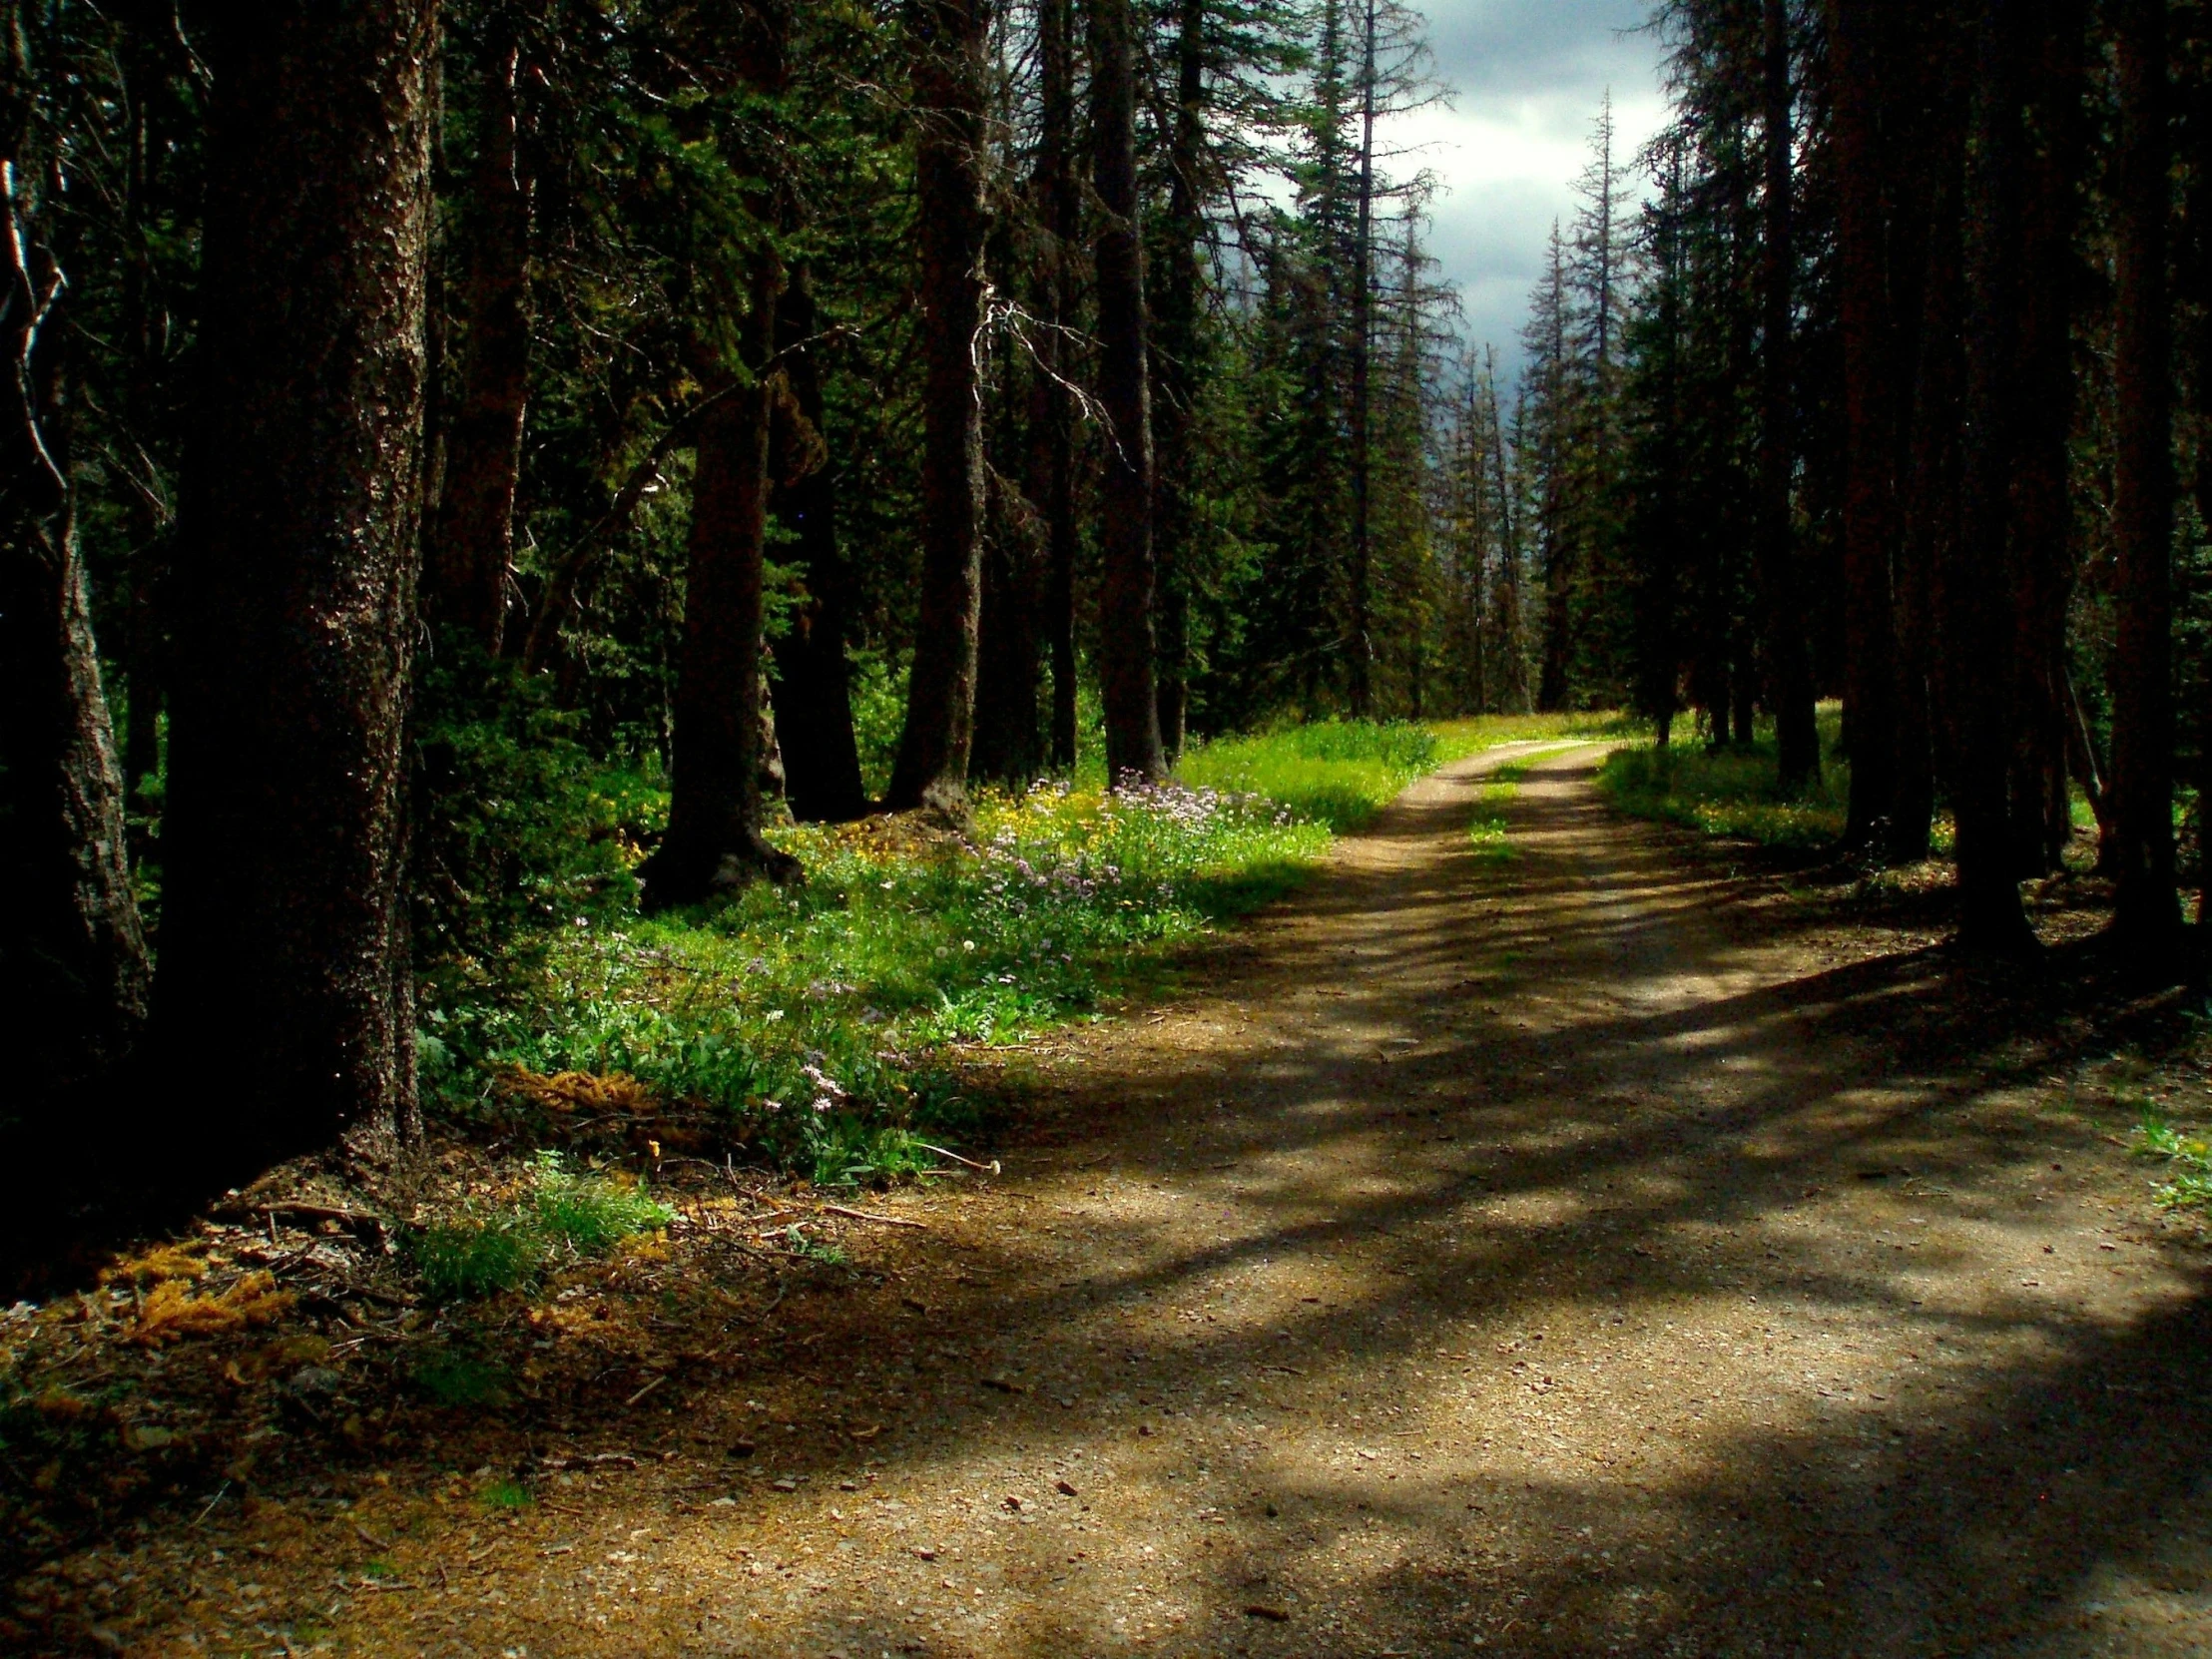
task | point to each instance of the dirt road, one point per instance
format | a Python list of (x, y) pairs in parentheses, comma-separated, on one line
[(1561, 1254)]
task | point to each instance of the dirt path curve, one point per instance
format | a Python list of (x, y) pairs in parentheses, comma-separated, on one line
[(1565, 1255)]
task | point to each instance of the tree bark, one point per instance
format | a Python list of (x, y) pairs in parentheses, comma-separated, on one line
[(1788, 667), (471, 541), (2146, 917), (950, 77), (1870, 518), (1973, 588), (285, 979), (1125, 622), (814, 695)]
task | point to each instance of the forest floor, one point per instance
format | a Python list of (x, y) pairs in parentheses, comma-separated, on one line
[(1587, 1245)]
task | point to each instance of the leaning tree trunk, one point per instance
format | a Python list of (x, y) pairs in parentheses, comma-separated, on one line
[(284, 981), (1870, 498), (814, 690), (952, 88), (471, 534), (1125, 624), (1973, 588), (2147, 916), (1788, 664), (70, 940)]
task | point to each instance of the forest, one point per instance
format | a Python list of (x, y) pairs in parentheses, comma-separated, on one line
[(598, 589), (699, 417)]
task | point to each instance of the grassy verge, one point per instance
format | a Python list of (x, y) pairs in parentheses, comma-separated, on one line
[(807, 1029), (1734, 791)]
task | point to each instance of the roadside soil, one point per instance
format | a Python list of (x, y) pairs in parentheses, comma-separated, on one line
[(1598, 1250)]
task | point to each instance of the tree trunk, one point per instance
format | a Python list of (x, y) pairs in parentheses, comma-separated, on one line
[(471, 539), (713, 843), (1125, 624), (1972, 586), (285, 979), (2040, 803), (1175, 370), (814, 696), (1931, 361), (1788, 667), (1360, 644), (1051, 408), (950, 90), (1869, 522), (2147, 916), (70, 936), (1008, 743)]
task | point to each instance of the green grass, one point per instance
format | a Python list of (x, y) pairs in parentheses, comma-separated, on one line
[(811, 1026), (1488, 831), (1733, 792), (2189, 1159), (454, 1378), (1342, 772), (564, 1216)]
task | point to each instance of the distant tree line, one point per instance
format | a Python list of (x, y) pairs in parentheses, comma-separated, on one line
[(1893, 388)]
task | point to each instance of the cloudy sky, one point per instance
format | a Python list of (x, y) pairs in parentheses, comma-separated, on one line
[(1529, 76)]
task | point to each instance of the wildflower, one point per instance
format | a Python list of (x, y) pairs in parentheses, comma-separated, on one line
[(828, 1091)]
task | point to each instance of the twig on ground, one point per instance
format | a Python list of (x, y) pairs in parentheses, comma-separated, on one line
[(648, 1389), (219, 1492)]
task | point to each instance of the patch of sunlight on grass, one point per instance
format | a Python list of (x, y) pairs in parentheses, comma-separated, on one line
[(1733, 792)]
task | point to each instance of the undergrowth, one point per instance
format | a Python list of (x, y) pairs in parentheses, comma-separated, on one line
[(807, 1029)]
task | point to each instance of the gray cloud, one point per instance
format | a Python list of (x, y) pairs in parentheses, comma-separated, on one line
[(1530, 75)]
